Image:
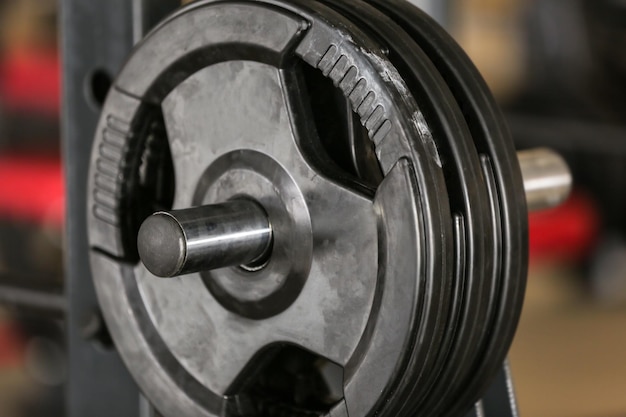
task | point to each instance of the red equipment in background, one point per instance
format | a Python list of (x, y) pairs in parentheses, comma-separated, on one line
[(568, 233)]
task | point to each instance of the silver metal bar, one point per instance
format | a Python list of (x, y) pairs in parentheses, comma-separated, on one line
[(239, 232), (547, 178), (25, 299), (204, 238)]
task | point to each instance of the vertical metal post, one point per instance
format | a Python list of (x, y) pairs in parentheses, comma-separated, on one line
[(438, 9), (96, 38), (147, 13), (500, 401)]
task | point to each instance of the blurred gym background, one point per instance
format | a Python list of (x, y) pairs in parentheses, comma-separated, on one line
[(558, 68)]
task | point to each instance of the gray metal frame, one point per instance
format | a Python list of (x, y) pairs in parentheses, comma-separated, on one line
[(96, 35)]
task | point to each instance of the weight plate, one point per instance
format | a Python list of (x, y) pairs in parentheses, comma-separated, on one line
[(502, 172), (470, 333), (465, 178), (212, 105)]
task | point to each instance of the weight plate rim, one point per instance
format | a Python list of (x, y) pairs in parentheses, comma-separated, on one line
[(485, 284), (474, 92), (475, 336)]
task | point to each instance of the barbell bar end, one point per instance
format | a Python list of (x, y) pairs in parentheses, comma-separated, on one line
[(547, 178)]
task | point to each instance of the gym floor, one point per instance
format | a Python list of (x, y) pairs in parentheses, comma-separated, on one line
[(568, 358)]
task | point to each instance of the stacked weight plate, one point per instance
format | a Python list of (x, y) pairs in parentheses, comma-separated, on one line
[(489, 286), (380, 101)]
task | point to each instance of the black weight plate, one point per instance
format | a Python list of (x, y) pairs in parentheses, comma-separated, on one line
[(465, 183), (477, 331), (296, 33), (457, 363), (502, 169)]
